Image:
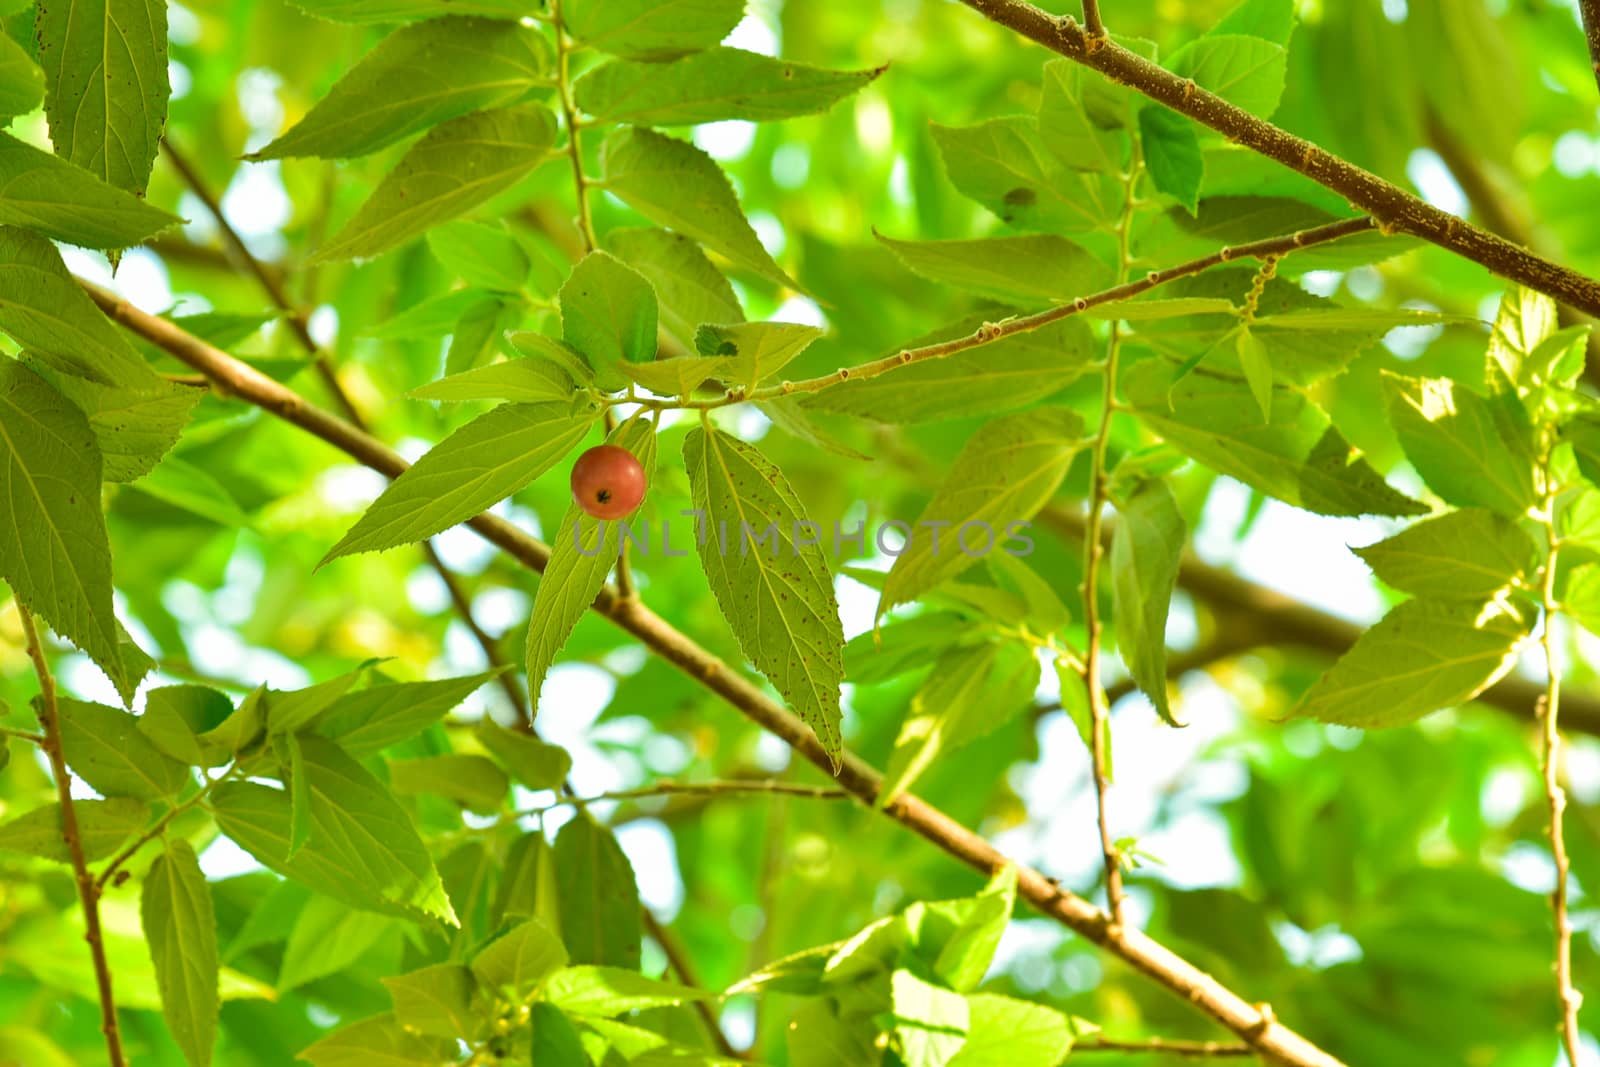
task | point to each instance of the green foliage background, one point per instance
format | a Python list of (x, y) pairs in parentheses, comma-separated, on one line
[(417, 881)]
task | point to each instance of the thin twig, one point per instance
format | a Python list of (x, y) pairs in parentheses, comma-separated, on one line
[(1091, 20), (1157, 1046), (88, 893), (1186, 981), (1093, 554), (716, 787), (991, 332), (1397, 210), (1549, 709), (569, 114), (678, 961), (273, 286), (21, 735)]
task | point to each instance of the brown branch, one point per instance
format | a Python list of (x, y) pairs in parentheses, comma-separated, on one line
[(1250, 1022), (88, 893), (1590, 10), (272, 284), (1092, 21), (1157, 1046), (1396, 210)]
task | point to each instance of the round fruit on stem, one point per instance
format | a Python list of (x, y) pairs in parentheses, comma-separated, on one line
[(608, 482)]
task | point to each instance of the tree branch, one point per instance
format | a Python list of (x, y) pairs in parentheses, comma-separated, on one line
[(88, 892), (1396, 210), (1250, 1022), (1590, 11), (678, 962), (272, 285)]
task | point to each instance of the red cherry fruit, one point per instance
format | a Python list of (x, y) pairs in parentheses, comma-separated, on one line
[(608, 482)]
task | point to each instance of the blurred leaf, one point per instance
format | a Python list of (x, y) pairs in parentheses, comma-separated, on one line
[(527, 380), (378, 1042), (930, 1024), (521, 959), (21, 80), (1004, 165), (1042, 267), (326, 938), (534, 763), (103, 826), (480, 255), (472, 781), (1003, 1032), (611, 991), (436, 1000)]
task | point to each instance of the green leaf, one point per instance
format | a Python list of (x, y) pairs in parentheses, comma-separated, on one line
[(133, 426), (1004, 165), (1029, 268), (689, 289), (1298, 457), (1003, 1032), (527, 884), (679, 376), (327, 937), (1145, 552), (378, 1042), (777, 595), (436, 1000), (51, 196), (1471, 450), (296, 709), (1004, 475), (481, 255), (192, 489), (651, 29), (181, 929), (528, 380), (472, 781), (103, 826), (1172, 154), (901, 646), (1078, 124), (1046, 611), (50, 316), (1526, 318), (21, 80), (1257, 367), (520, 960), (106, 84), (819, 1036), (174, 717), (930, 1023), (787, 415), (756, 351), (710, 86), (1004, 375), (581, 555), (1272, 20), (677, 185), (55, 552), (1467, 554), (1558, 359), (959, 938), (362, 850), (1583, 434), (366, 11), (799, 972), (468, 472), (372, 719), (1581, 597), (555, 1039), (534, 763), (454, 168), (472, 64), (1247, 72), (608, 312), (972, 690), (598, 894), (1424, 655), (104, 747), (608, 991)]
